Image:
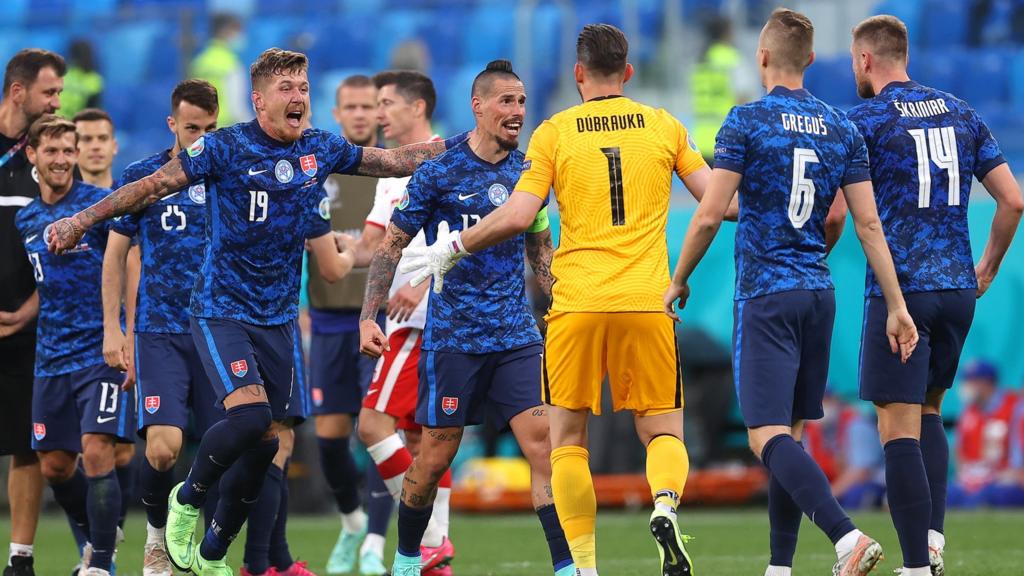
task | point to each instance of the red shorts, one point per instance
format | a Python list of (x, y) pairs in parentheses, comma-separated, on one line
[(395, 381)]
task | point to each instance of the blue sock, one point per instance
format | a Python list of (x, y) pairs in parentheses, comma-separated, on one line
[(935, 453), (262, 517), (126, 480), (784, 517), (412, 523), (104, 507), (240, 488), (210, 505), (340, 471), (72, 496), (280, 555), (909, 499), (379, 502), (557, 545), (156, 486), (225, 441), (803, 479)]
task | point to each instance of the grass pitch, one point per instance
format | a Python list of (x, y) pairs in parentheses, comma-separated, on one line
[(733, 542)]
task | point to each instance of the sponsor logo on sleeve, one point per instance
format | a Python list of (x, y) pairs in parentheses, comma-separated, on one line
[(404, 202)]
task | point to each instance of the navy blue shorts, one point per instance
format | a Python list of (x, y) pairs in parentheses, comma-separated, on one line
[(455, 388), (781, 345), (237, 354), (171, 383), (299, 403), (86, 401), (338, 374), (943, 319)]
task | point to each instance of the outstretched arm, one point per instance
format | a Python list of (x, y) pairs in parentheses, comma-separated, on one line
[(1001, 184), (397, 162), (372, 341), (513, 217), (66, 232)]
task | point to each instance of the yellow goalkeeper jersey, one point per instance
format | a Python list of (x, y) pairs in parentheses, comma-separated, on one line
[(610, 161)]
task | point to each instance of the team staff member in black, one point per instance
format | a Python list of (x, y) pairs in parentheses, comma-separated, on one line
[(33, 82)]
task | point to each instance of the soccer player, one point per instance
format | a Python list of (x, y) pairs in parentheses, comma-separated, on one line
[(32, 86), (793, 143), (78, 405), (339, 374), (482, 349), (405, 105), (611, 161), (926, 147), (170, 381), (264, 199), (97, 146)]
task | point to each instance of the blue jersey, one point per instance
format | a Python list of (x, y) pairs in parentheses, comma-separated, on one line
[(70, 328), (926, 147), (172, 237), (264, 198), (794, 151), (483, 306)]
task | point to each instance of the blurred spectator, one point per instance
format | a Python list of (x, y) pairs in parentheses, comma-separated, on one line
[(219, 64), (83, 85), (983, 472), (845, 444), (718, 83), (411, 54)]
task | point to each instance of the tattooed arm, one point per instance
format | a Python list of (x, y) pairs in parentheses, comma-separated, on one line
[(372, 340), (66, 232), (397, 162), (539, 251)]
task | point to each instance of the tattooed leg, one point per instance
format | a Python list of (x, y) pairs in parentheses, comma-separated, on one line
[(437, 450), (530, 428)]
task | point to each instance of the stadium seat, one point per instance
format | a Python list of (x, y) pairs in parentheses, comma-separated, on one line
[(985, 80), (1017, 81), (488, 35), (83, 10), (831, 80), (907, 10), (347, 43), (399, 26), (124, 51), (265, 32), (944, 23), (456, 103), (12, 12), (938, 69)]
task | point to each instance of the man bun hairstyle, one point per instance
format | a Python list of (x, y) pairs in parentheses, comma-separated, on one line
[(789, 37), (495, 69), (886, 36), (25, 65), (276, 62), (602, 49), (411, 85), (50, 126), (196, 92)]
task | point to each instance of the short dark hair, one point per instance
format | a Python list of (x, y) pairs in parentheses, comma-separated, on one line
[(50, 126), (886, 35), (24, 67), (353, 81), (92, 115), (412, 85), (494, 69), (790, 37), (197, 93), (275, 62), (602, 49)]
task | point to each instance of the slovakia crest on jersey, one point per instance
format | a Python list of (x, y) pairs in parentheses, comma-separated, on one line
[(449, 404), (497, 194), (308, 164), (39, 430), (152, 404), (318, 397), (197, 193), (239, 368)]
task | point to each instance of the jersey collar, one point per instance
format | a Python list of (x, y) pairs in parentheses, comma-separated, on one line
[(608, 97), (783, 91), (899, 84)]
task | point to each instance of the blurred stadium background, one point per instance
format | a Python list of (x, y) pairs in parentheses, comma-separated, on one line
[(129, 54)]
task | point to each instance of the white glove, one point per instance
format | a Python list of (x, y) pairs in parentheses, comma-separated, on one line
[(434, 260)]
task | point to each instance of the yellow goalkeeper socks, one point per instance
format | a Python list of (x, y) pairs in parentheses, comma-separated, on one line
[(668, 465), (575, 502)]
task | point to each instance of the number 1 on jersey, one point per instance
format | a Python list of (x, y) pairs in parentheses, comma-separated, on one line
[(801, 197), (615, 185)]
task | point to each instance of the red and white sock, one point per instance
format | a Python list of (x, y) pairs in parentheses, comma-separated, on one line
[(392, 459)]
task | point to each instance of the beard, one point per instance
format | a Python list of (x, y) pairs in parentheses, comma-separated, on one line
[(864, 89), (507, 145)]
